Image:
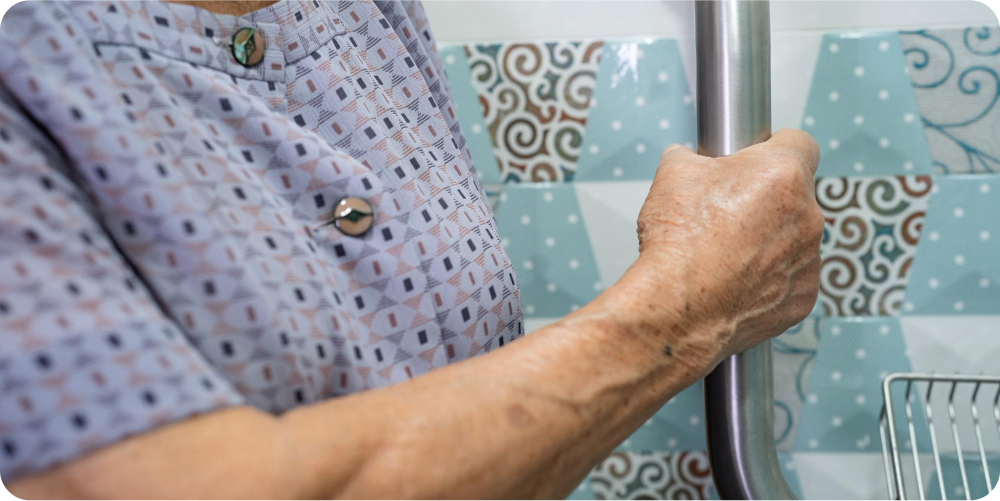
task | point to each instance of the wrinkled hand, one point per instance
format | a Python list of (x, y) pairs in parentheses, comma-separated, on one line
[(735, 239)]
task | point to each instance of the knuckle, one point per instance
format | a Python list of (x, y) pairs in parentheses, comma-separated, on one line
[(809, 144), (788, 174), (665, 154), (797, 135), (802, 140)]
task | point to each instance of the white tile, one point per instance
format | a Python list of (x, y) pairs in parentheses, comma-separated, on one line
[(841, 475), (484, 20), (793, 59), (686, 47), (610, 210), (953, 344)]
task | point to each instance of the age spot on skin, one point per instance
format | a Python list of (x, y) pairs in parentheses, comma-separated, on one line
[(519, 417), (669, 351)]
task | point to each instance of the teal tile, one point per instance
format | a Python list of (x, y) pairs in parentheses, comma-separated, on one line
[(545, 237), (641, 105), (677, 426), (787, 462), (861, 109), (844, 399), (582, 491), (956, 270), (952, 478)]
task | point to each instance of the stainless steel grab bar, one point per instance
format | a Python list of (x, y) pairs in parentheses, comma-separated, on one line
[(733, 45)]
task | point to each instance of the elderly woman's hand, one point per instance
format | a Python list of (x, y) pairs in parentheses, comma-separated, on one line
[(729, 256), (733, 241)]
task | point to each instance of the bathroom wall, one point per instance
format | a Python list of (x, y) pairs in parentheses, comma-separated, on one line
[(498, 20), (566, 107)]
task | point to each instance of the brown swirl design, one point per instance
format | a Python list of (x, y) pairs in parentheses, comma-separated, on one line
[(872, 229), (658, 475), (535, 99)]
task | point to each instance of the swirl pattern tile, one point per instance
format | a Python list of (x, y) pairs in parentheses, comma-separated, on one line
[(535, 99), (869, 241), (956, 82)]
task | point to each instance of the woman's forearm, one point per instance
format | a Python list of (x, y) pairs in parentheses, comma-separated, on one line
[(726, 245), (526, 421)]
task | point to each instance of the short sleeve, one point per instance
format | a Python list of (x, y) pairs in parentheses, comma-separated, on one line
[(87, 357)]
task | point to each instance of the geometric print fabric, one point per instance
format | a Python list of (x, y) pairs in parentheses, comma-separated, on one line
[(190, 193)]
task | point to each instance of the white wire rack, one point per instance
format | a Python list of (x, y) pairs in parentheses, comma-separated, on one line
[(961, 397)]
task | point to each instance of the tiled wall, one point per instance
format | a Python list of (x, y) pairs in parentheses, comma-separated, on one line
[(460, 21), (566, 136)]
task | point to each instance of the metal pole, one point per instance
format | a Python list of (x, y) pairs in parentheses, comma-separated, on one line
[(734, 111)]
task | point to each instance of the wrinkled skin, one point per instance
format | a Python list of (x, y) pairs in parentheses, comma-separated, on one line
[(736, 239), (729, 256)]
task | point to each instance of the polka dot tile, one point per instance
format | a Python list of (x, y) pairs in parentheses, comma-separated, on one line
[(547, 242), (643, 105), (861, 109), (952, 478), (956, 270), (677, 426), (786, 462), (582, 491), (844, 396)]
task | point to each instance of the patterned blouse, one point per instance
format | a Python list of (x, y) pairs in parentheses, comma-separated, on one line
[(165, 239)]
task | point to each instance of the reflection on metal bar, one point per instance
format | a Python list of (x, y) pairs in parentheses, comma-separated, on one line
[(895, 478), (734, 111)]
